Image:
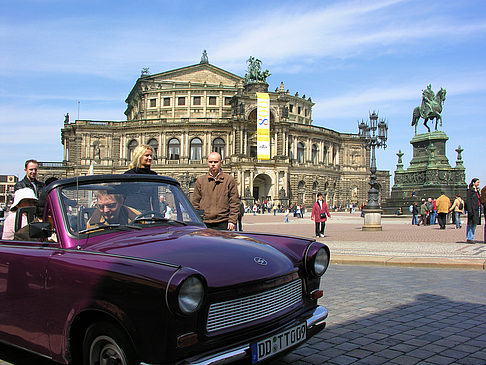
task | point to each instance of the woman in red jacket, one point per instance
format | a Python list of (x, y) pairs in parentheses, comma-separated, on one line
[(319, 215)]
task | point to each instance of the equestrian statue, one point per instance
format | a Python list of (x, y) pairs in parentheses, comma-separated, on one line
[(255, 73), (430, 109)]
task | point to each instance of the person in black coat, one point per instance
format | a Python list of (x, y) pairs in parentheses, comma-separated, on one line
[(483, 202), (145, 199), (30, 180), (473, 209)]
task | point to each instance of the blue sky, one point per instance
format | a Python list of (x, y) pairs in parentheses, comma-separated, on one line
[(350, 57)]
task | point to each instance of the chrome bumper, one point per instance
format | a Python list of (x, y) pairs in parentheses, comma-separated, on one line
[(240, 352)]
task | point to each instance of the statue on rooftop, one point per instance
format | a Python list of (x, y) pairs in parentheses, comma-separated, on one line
[(255, 73), (204, 57)]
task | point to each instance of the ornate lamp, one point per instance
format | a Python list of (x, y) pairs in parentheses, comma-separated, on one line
[(373, 134)]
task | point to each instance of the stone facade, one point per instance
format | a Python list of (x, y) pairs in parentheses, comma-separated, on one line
[(7, 183), (186, 113)]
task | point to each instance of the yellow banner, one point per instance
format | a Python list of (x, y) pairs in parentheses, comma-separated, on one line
[(263, 126)]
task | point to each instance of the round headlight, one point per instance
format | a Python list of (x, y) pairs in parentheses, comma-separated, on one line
[(191, 294), (321, 261)]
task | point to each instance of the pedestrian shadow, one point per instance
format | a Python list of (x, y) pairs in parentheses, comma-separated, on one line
[(431, 328)]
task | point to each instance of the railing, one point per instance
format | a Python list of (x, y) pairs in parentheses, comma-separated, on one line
[(52, 164)]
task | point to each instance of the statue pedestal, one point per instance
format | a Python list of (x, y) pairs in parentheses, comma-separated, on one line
[(372, 220), (428, 175), (256, 87)]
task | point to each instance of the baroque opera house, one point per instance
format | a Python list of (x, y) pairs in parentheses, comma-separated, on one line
[(186, 113)]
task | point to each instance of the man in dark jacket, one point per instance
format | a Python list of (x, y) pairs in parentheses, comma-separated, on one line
[(30, 180), (483, 202), (473, 209)]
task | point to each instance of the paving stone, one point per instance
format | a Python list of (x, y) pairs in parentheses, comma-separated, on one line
[(404, 360), (343, 360), (440, 360)]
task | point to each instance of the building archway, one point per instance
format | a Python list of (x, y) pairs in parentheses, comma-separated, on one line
[(262, 185)]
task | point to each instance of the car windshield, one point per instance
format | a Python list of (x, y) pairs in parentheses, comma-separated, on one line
[(124, 205)]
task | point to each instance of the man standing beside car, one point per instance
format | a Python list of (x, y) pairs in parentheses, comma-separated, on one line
[(216, 193), (30, 180)]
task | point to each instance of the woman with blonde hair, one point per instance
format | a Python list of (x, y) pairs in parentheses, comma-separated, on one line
[(142, 160), (146, 199)]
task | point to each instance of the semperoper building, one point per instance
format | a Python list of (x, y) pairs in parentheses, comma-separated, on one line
[(186, 113)]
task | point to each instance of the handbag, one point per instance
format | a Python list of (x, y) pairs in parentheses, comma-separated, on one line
[(322, 215)]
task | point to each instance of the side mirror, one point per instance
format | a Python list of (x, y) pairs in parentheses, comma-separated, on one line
[(40, 230)]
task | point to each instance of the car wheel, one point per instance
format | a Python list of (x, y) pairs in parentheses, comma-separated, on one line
[(106, 344)]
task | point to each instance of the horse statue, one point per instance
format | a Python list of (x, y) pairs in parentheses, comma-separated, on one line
[(255, 73), (430, 109)]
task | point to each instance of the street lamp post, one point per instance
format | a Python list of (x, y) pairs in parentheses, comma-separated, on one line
[(373, 134)]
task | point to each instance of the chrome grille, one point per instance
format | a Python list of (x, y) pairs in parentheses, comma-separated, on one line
[(243, 310)]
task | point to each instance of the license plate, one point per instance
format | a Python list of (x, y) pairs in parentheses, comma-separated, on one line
[(277, 343)]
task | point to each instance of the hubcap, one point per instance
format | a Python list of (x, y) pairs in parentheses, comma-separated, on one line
[(105, 351)]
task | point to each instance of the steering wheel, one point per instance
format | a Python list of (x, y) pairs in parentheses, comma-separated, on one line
[(149, 215)]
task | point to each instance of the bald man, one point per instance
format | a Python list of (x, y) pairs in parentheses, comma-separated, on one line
[(216, 193)]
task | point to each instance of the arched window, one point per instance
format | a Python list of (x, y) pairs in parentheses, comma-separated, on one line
[(300, 192), (324, 160), (155, 145), (174, 148), (131, 146), (314, 154), (218, 146), (196, 149), (300, 152)]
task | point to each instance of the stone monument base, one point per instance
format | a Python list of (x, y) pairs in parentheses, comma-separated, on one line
[(372, 220), (428, 175)]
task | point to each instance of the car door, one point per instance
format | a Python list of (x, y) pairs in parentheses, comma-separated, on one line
[(23, 303)]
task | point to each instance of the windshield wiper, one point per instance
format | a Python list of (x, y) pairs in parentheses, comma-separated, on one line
[(158, 219), (125, 227)]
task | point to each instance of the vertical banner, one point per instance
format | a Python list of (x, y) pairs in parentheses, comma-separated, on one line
[(263, 126)]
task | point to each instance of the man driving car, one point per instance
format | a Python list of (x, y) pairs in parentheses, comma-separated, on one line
[(110, 210)]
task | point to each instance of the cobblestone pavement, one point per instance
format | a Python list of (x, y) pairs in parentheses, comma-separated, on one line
[(347, 227), (396, 315), (381, 315), (399, 243)]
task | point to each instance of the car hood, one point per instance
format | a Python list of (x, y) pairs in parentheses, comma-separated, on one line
[(224, 258)]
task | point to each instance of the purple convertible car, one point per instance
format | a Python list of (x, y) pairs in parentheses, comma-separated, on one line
[(120, 269)]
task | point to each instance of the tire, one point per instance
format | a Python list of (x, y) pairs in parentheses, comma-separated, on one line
[(106, 344)]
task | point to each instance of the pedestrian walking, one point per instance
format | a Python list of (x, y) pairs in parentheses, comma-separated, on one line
[(443, 203), (473, 203), (457, 209), (415, 211), (423, 213), (320, 212), (239, 225), (287, 212)]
